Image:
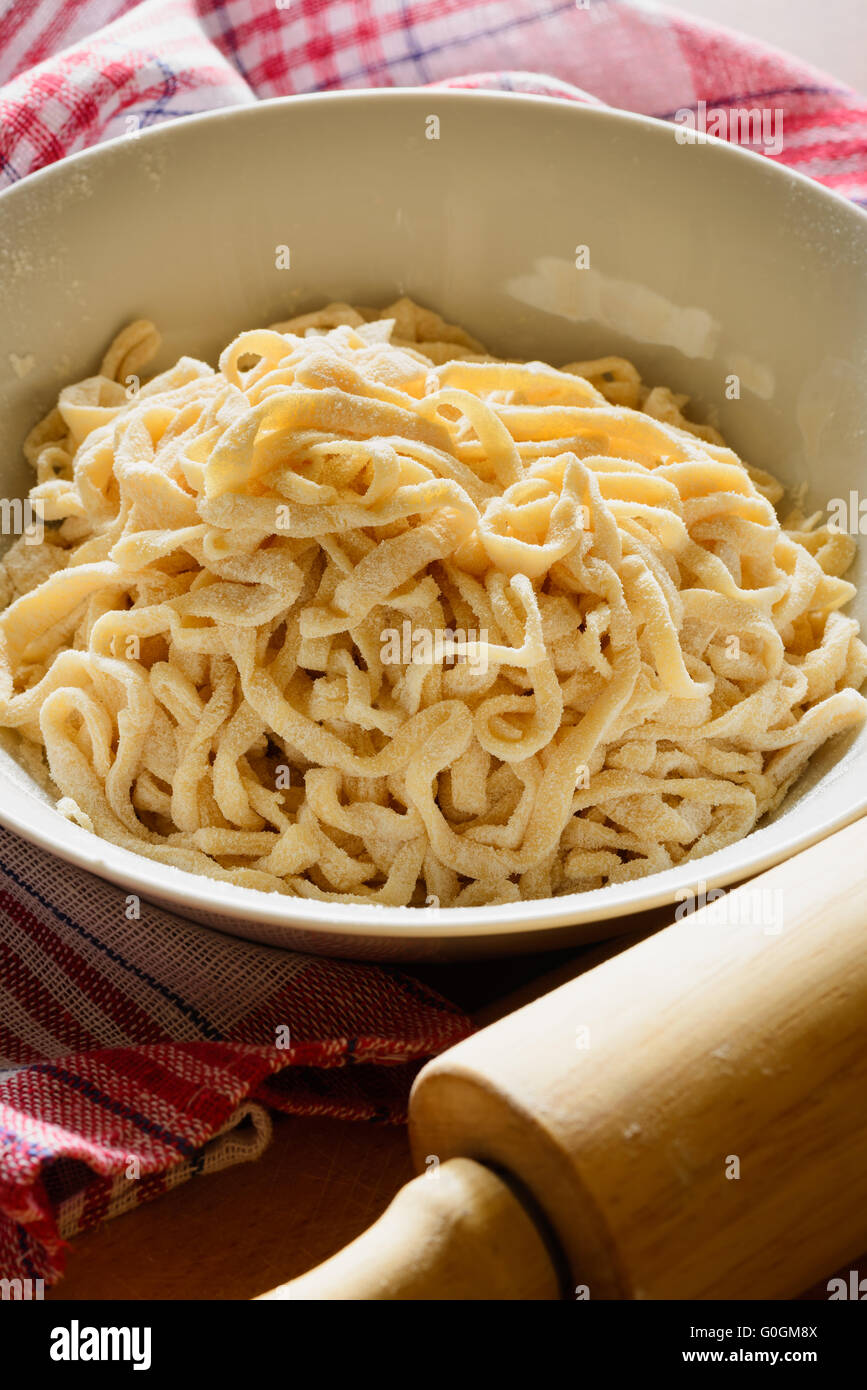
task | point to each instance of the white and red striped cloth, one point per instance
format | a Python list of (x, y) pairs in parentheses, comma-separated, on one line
[(137, 1052), (67, 82)]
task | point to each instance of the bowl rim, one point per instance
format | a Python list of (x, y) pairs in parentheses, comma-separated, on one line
[(199, 894), (592, 110)]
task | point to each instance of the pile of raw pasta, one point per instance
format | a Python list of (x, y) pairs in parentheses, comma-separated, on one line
[(366, 614)]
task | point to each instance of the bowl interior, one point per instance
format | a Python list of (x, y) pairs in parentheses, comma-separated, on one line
[(703, 265)]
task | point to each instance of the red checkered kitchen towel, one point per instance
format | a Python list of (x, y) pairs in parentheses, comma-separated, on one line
[(136, 1052)]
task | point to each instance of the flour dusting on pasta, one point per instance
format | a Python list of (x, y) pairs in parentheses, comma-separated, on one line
[(216, 642)]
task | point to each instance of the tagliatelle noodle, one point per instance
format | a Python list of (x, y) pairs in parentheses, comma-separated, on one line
[(212, 645)]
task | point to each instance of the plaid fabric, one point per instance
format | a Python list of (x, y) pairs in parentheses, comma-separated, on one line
[(138, 1050), (68, 86)]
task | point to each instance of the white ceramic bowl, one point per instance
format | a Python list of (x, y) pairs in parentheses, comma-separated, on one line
[(704, 261)]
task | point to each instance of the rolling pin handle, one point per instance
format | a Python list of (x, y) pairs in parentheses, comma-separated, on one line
[(458, 1231)]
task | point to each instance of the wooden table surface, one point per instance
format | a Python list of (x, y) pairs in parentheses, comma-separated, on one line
[(321, 1182)]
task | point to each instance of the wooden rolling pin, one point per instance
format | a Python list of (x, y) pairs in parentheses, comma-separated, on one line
[(686, 1120)]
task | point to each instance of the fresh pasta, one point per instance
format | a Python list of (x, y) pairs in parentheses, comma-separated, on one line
[(366, 614)]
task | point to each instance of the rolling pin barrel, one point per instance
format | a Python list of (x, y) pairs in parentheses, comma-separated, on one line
[(690, 1117)]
